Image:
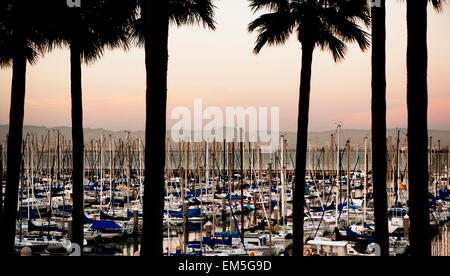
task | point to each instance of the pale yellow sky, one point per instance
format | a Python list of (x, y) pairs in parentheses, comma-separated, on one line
[(220, 68)]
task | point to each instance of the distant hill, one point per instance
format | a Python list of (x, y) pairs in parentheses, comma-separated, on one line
[(356, 136), (89, 133), (317, 139)]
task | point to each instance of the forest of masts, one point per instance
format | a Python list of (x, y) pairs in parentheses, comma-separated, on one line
[(51, 155)]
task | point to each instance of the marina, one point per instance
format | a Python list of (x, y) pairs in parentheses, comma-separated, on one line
[(221, 198)]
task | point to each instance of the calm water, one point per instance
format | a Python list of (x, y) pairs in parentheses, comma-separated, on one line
[(125, 247), (441, 243)]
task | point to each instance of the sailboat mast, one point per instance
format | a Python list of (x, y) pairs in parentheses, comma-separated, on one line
[(28, 174), (348, 182), (111, 160), (332, 158), (282, 179), (128, 170), (141, 151), (213, 188), (270, 207), (366, 178), (101, 172), (438, 167), (338, 184), (200, 182), (397, 171), (242, 180), (448, 168), (407, 167), (185, 206)]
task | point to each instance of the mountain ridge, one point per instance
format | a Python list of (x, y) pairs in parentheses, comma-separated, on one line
[(315, 138)]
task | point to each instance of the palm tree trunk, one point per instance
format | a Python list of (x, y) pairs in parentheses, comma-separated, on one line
[(78, 144), (302, 140), (379, 162), (417, 104), (14, 153), (155, 13)]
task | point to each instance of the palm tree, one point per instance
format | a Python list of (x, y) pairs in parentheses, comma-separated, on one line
[(379, 162), (327, 24), (152, 31), (21, 42), (417, 105), (87, 31)]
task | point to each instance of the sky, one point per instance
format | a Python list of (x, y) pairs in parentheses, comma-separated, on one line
[(219, 68)]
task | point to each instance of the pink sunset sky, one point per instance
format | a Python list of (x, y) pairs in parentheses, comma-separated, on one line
[(220, 68)]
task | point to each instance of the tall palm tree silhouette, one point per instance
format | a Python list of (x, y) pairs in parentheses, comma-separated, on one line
[(151, 30), (87, 31), (379, 162), (327, 24), (417, 105), (21, 42)]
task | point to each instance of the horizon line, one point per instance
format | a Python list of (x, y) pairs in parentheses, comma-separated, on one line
[(281, 131)]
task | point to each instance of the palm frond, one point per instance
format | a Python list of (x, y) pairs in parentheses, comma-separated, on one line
[(329, 24), (271, 5), (273, 29), (181, 12), (335, 46), (17, 33), (438, 5), (188, 12)]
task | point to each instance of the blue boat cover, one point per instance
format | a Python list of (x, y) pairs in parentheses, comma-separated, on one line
[(61, 208), (105, 224), (234, 197), (212, 241), (352, 234), (227, 234), (193, 212), (25, 215)]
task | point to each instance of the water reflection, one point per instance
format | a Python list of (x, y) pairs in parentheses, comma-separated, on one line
[(124, 247), (441, 245)]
